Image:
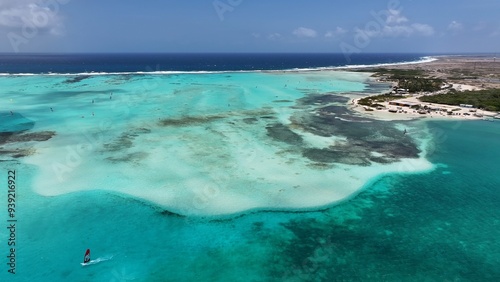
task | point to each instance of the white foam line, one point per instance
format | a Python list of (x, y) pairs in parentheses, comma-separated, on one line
[(426, 59)]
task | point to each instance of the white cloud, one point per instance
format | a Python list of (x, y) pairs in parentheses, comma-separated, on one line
[(455, 26), (274, 36), (394, 25), (395, 17), (256, 35), (423, 29), (305, 32), (31, 14), (336, 32), (400, 30), (397, 30)]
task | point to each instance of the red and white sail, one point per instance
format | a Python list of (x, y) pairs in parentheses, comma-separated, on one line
[(86, 258)]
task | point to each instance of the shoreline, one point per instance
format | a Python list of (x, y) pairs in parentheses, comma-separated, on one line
[(255, 170), (213, 191), (483, 73), (422, 60), (394, 112)]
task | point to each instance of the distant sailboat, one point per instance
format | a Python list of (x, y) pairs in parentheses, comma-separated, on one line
[(86, 258)]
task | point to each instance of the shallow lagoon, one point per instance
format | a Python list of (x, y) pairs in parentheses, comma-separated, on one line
[(155, 176), (211, 143)]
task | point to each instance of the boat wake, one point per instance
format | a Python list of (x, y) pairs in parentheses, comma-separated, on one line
[(97, 260)]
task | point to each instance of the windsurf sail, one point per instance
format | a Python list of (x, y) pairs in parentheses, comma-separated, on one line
[(86, 258)]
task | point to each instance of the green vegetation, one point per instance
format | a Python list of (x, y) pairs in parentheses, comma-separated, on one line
[(419, 84), (397, 74), (462, 77), (373, 100), (485, 99), (414, 80)]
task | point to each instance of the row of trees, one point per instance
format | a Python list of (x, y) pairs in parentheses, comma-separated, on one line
[(419, 84), (413, 80), (373, 101), (416, 81), (484, 99)]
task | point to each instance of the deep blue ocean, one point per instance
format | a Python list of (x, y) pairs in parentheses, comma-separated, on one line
[(437, 224), (111, 63)]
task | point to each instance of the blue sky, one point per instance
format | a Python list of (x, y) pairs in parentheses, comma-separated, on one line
[(441, 26)]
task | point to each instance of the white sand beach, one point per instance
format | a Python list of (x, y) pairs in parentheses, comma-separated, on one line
[(460, 73), (399, 110)]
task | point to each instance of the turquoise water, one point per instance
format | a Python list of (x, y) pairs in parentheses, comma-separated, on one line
[(205, 143), (436, 225)]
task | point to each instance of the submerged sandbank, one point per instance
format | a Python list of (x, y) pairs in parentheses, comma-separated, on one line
[(213, 144)]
